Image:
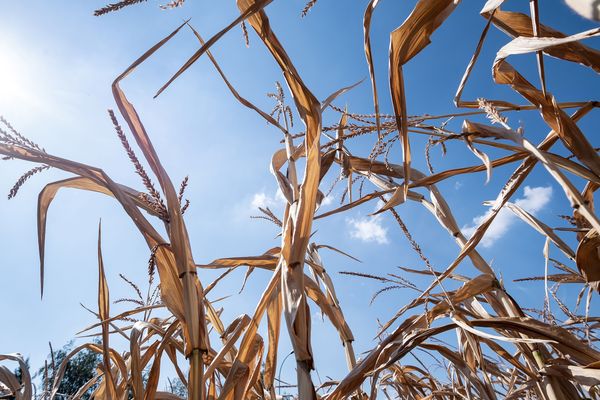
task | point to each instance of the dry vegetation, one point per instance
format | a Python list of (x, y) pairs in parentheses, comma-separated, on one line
[(500, 351)]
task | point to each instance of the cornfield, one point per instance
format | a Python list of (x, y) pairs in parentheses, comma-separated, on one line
[(489, 347)]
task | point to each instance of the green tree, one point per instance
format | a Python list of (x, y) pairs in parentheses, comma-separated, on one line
[(177, 387), (80, 369), (19, 371)]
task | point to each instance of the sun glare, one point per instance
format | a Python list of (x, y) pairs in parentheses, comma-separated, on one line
[(13, 69)]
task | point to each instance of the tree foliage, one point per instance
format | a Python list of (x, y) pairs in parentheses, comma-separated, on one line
[(80, 369)]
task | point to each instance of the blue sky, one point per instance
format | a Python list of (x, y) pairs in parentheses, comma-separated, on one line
[(58, 62)]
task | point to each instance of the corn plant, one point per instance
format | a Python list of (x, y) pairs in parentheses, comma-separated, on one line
[(500, 350)]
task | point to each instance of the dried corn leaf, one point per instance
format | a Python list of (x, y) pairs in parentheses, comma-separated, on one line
[(406, 42), (588, 258), (517, 24)]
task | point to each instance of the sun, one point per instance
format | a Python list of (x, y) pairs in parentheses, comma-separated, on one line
[(589, 9), (13, 69)]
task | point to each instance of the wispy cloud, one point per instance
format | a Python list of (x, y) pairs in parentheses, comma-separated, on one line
[(248, 205), (264, 199), (261, 199), (327, 200), (368, 229), (534, 200)]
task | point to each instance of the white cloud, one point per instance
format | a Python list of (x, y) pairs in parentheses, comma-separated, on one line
[(533, 200), (263, 200), (318, 316), (248, 205), (280, 197), (368, 229), (327, 200)]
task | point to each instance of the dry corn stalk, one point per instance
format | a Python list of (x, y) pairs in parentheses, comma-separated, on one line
[(501, 351)]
